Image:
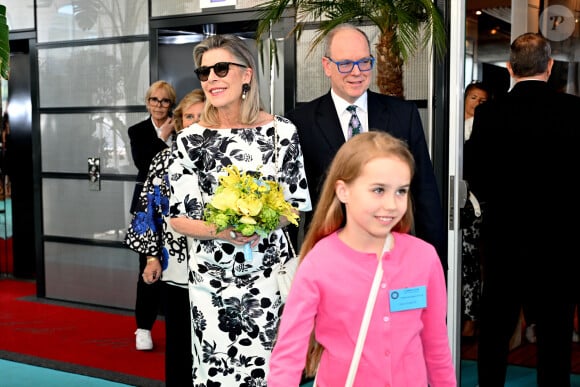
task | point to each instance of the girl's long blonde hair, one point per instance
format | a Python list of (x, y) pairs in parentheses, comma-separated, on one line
[(330, 214)]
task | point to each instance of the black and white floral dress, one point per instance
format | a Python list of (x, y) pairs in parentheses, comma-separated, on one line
[(235, 301), (150, 232)]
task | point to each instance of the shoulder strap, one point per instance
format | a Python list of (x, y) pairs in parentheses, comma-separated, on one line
[(364, 326), (276, 155), (276, 150)]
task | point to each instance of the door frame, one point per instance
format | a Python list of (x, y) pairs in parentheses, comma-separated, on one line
[(455, 174)]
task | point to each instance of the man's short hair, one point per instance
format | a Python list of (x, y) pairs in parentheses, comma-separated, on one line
[(529, 55)]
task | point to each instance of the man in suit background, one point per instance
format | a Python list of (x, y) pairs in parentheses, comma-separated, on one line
[(148, 138), (323, 126), (520, 158)]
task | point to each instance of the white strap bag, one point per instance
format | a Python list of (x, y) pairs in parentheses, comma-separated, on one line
[(364, 325), (287, 269)]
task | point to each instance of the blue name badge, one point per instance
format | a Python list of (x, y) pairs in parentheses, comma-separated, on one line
[(408, 298)]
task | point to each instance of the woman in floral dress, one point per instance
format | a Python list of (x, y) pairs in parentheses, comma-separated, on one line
[(149, 233), (235, 300)]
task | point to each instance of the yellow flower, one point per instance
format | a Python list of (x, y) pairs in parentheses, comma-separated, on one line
[(226, 198), (249, 206), (247, 220), (248, 203), (232, 178)]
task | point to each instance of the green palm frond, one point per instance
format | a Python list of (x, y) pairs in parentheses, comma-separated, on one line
[(406, 26), (406, 18), (4, 44)]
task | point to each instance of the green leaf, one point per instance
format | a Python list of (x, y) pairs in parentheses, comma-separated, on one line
[(4, 44), (413, 24)]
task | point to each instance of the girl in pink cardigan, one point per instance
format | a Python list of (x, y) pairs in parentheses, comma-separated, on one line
[(365, 198)]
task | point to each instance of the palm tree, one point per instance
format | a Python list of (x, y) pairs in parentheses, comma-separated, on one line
[(405, 27), (4, 45)]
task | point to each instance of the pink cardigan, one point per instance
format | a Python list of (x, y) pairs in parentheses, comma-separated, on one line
[(405, 348)]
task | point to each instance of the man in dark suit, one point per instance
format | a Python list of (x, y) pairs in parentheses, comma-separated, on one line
[(323, 126), (520, 159), (148, 138)]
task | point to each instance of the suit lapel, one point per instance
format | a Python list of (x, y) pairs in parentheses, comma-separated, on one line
[(378, 114), (328, 123)]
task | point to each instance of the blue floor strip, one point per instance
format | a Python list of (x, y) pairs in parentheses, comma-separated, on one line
[(23, 375), (15, 374), (516, 376)]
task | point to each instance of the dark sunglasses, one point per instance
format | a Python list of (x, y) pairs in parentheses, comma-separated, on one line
[(220, 69)]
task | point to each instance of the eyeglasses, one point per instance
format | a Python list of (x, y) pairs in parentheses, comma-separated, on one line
[(220, 69), (346, 66), (157, 102)]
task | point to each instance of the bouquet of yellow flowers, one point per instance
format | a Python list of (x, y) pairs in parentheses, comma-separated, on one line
[(248, 203)]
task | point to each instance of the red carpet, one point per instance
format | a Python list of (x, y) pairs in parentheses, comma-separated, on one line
[(77, 335)]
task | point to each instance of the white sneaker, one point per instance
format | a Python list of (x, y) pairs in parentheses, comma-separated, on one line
[(531, 333), (143, 340)]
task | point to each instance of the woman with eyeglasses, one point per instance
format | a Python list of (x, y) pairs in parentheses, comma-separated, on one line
[(151, 233), (235, 300), (148, 138)]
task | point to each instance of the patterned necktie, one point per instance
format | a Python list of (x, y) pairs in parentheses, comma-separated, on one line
[(354, 126)]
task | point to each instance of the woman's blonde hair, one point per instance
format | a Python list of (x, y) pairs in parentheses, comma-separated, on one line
[(161, 85), (251, 105), (190, 98), (330, 214)]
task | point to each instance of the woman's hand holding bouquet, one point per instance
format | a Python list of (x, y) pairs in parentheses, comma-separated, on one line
[(248, 204)]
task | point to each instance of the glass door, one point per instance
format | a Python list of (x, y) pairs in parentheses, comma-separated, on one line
[(480, 49), (6, 257)]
